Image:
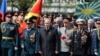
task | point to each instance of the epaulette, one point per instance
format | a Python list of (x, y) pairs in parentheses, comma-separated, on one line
[(75, 28), (95, 29), (3, 23)]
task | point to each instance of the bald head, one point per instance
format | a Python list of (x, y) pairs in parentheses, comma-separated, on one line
[(47, 22)]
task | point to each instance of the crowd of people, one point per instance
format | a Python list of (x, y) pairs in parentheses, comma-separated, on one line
[(56, 35)]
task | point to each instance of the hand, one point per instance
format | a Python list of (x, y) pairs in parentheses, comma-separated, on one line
[(16, 48), (56, 52), (40, 52), (67, 42), (96, 53), (22, 46)]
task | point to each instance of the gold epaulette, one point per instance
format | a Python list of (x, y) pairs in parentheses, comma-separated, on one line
[(96, 28), (3, 23), (75, 28)]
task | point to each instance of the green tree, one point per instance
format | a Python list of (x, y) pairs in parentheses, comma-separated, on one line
[(0, 2), (23, 4), (89, 0)]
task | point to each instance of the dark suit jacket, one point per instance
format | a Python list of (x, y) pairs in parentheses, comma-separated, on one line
[(49, 41)]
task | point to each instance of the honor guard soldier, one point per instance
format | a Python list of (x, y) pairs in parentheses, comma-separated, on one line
[(78, 39), (96, 38), (9, 40), (30, 41)]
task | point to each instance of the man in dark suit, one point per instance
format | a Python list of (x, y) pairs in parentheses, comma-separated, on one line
[(49, 40)]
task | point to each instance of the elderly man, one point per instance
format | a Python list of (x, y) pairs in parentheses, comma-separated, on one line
[(79, 39), (96, 38), (49, 40), (90, 24), (58, 23)]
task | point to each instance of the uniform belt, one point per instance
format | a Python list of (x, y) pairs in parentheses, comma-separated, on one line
[(7, 38)]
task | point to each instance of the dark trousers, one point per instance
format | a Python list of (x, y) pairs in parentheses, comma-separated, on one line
[(77, 55), (0, 52), (18, 52), (91, 55), (64, 54), (7, 52)]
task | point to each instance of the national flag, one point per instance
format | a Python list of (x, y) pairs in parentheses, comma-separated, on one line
[(88, 10), (3, 8), (35, 11)]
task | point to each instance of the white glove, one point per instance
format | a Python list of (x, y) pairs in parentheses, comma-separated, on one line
[(96, 53), (16, 48), (22, 46)]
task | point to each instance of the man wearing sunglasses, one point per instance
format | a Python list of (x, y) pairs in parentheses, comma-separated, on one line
[(9, 40)]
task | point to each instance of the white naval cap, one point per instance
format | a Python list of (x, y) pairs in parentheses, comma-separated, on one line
[(96, 17), (82, 20)]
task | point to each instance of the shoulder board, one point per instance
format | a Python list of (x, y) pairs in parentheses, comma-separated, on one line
[(3, 22), (94, 29)]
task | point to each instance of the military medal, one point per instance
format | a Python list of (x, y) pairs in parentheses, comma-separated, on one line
[(49, 33), (32, 38), (11, 28)]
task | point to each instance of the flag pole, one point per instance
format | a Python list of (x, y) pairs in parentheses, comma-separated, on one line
[(12, 5)]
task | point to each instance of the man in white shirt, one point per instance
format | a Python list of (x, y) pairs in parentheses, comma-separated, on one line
[(66, 31)]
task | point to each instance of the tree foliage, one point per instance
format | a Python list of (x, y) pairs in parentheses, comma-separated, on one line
[(23, 4)]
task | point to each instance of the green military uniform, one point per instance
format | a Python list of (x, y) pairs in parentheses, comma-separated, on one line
[(9, 38), (30, 40)]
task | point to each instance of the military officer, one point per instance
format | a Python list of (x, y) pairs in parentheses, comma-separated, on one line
[(96, 38), (9, 40), (30, 41), (79, 39)]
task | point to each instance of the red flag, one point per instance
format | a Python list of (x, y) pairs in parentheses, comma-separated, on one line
[(21, 29), (35, 11)]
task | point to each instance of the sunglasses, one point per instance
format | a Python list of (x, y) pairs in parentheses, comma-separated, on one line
[(9, 16), (15, 15)]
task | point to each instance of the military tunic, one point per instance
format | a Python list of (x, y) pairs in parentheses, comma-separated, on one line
[(96, 41), (9, 38), (30, 42), (77, 45)]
